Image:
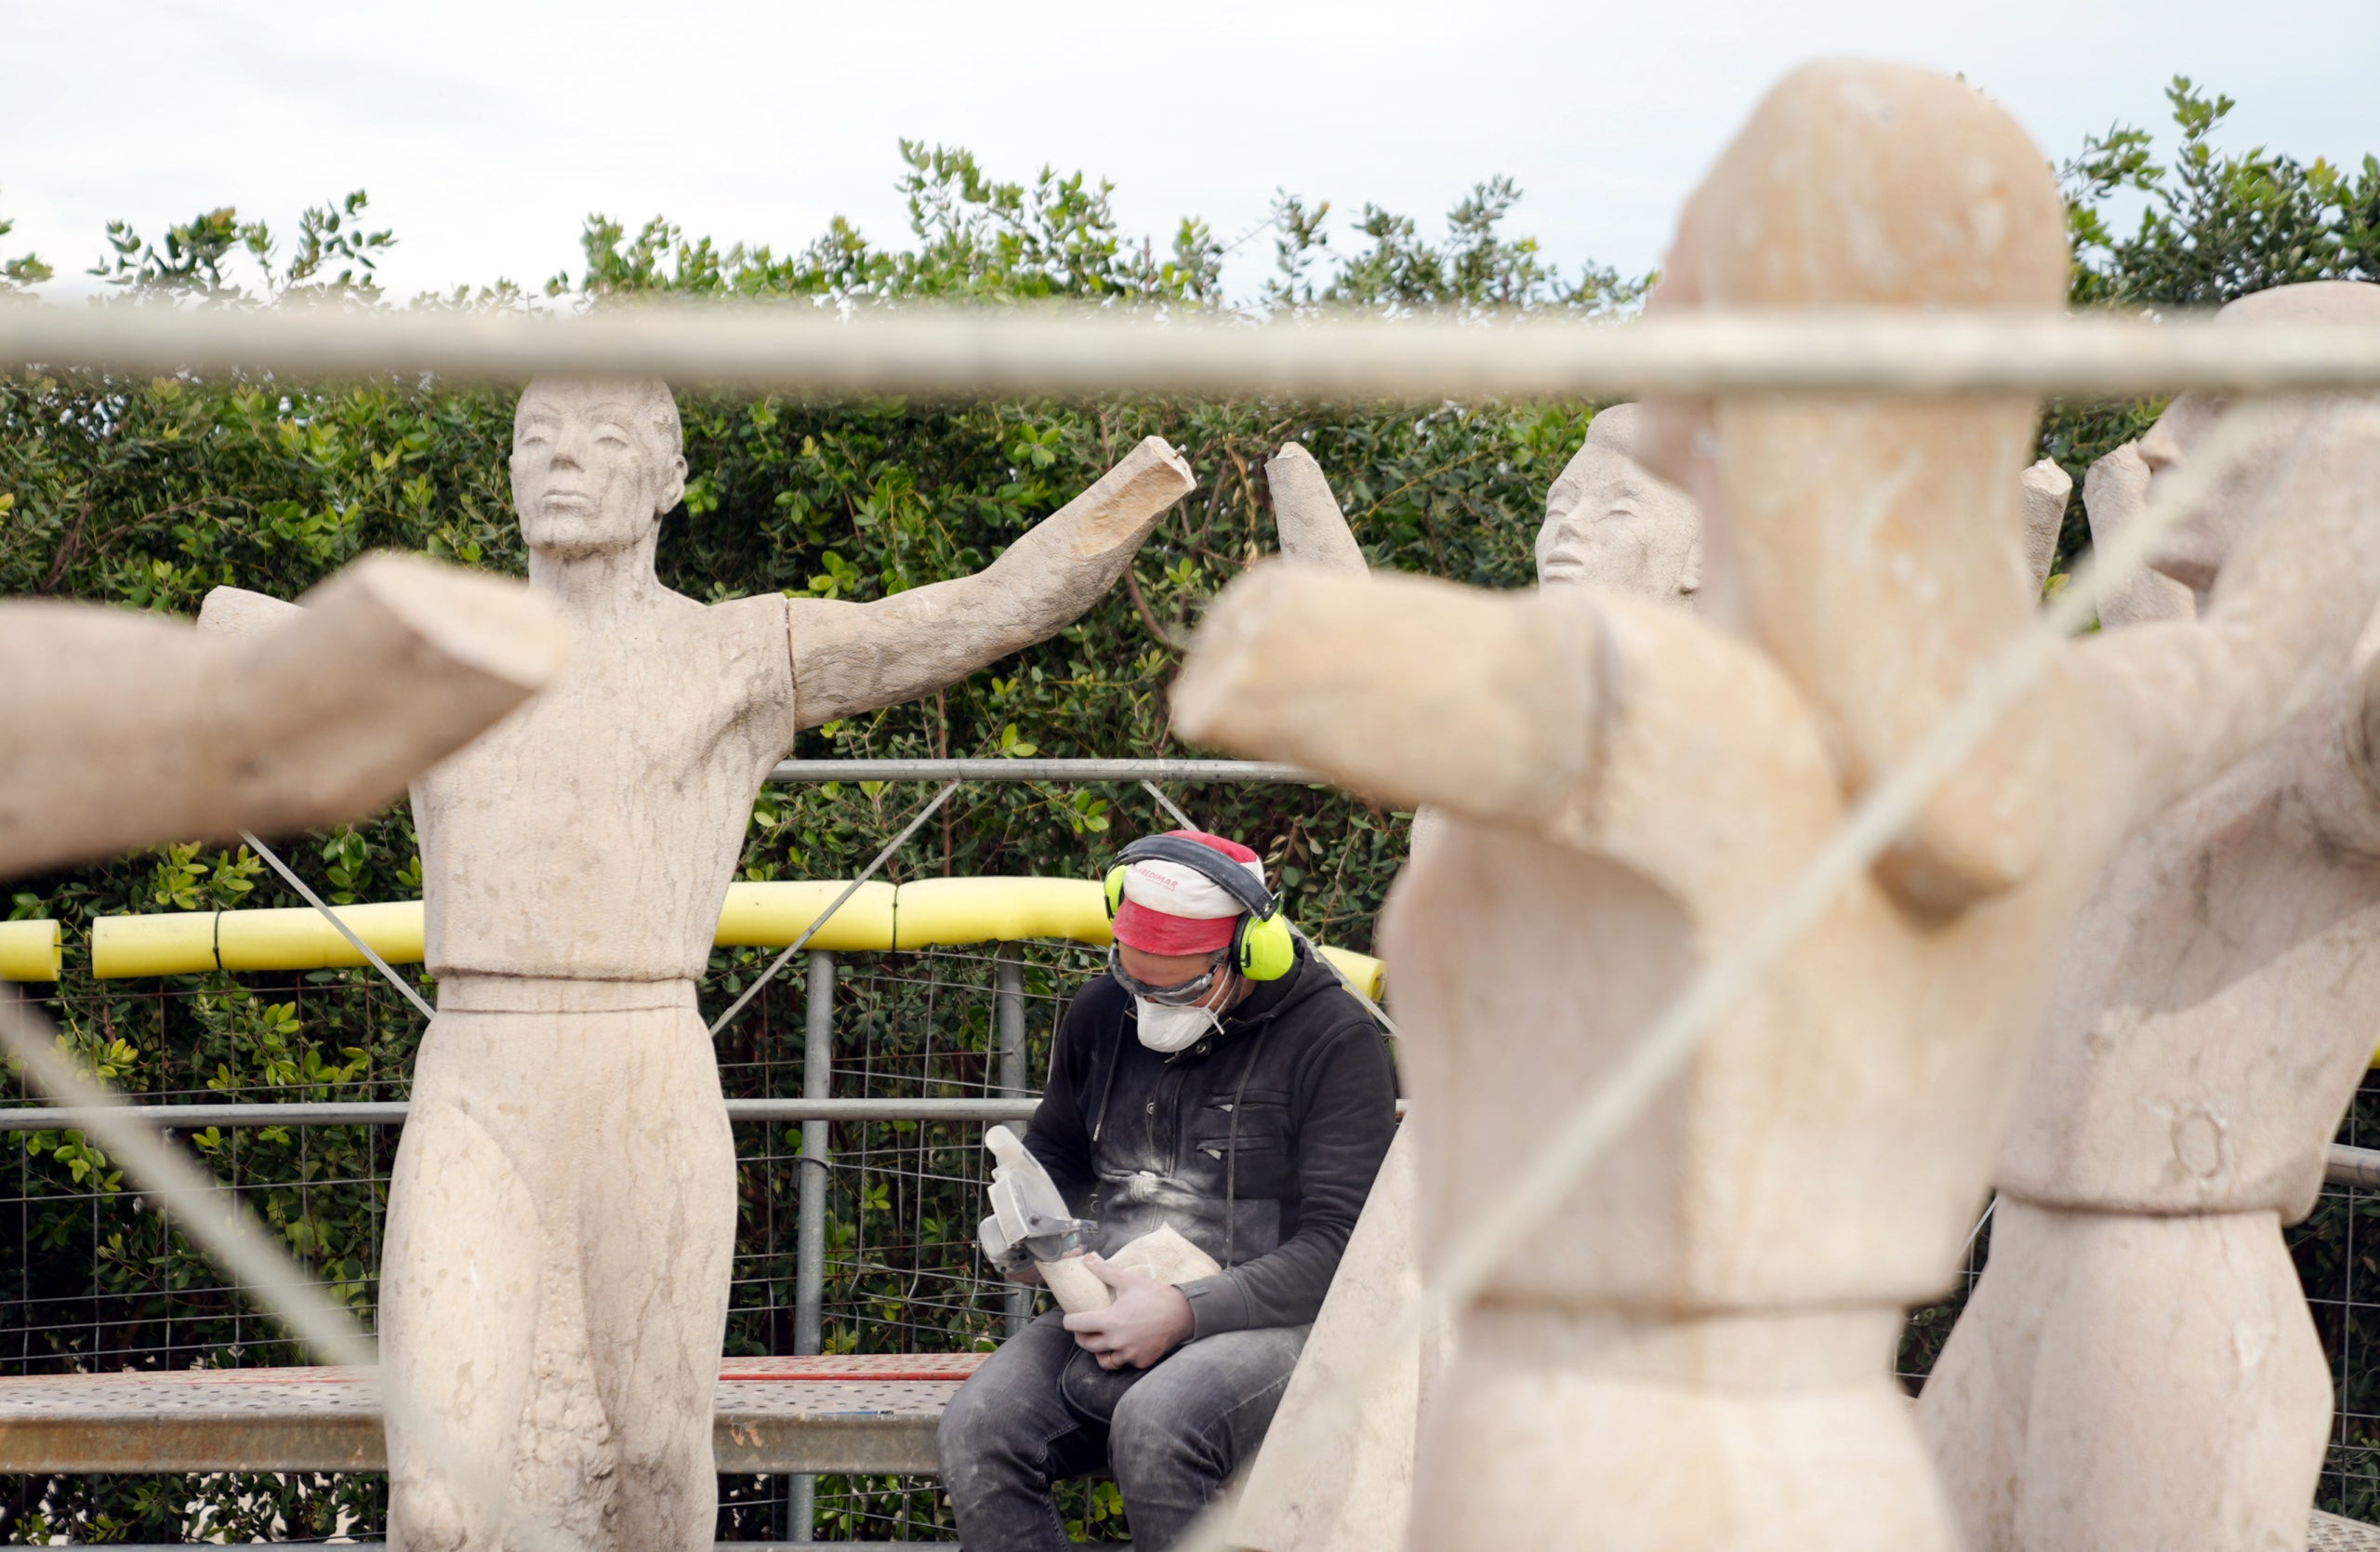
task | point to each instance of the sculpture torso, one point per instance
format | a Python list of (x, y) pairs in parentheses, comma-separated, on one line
[(1826, 1140), (617, 801), (2215, 1009)]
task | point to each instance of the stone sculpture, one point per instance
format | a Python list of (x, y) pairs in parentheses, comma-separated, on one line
[(1698, 1350), (1611, 521), (2114, 489), (2044, 488), (127, 729), (2136, 1366), (1348, 1485), (561, 1210)]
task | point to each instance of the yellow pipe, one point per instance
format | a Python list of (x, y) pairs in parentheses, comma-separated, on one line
[(878, 916), (772, 915), (31, 951), (1006, 910), (174, 945), (300, 939)]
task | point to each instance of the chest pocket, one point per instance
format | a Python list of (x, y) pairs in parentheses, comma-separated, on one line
[(1256, 1133)]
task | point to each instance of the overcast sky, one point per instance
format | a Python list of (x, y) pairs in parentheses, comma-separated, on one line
[(487, 131)]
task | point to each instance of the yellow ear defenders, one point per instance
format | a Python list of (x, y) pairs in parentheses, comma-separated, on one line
[(1263, 947)]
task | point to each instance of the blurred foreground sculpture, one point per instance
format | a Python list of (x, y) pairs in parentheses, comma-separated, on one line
[(127, 729), (2138, 1366), (1696, 1350), (562, 1213)]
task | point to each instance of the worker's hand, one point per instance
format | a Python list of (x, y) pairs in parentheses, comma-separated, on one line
[(1148, 1320)]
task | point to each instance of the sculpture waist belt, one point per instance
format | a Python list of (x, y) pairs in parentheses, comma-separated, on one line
[(1766, 1352), (475, 993)]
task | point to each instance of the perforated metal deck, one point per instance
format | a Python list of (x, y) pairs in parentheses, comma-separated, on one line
[(774, 1415)]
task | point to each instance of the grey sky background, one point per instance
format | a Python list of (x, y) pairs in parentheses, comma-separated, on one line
[(486, 132)]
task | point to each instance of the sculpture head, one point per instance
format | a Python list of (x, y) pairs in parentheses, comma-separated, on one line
[(2193, 550), (1610, 522), (596, 461), (1873, 545)]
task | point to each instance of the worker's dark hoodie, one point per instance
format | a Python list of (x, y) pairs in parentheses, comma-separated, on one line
[(1296, 1087)]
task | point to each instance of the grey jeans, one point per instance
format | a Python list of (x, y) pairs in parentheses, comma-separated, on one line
[(1041, 1408)]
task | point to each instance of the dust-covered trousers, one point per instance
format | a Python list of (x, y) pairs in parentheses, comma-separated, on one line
[(1041, 1410)]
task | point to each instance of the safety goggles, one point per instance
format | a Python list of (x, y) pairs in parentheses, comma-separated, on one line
[(1181, 996)]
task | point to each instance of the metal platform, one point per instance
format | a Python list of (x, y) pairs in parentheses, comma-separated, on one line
[(774, 1415), (2331, 1533)]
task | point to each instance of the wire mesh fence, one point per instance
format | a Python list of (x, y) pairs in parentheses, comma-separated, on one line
[(99, 1282)]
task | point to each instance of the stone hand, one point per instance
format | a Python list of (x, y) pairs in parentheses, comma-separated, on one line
[(1313, 531), (1148, 1320)]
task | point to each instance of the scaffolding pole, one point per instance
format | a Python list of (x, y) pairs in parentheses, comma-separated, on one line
[(1008, 1019), (810, 1234)]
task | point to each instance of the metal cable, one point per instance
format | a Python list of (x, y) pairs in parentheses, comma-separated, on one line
[(289, 877), (851, 889)]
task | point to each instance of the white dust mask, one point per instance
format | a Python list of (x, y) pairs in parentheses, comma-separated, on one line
[(1169, 1029)]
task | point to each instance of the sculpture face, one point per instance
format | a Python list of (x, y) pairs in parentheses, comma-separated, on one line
[(594, 464), (2193, 550), (1610, 522)]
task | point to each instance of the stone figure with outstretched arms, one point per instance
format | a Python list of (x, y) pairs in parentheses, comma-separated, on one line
[(1696, 1348), (562, 1213), (2138, 1366), (1337, 1479)]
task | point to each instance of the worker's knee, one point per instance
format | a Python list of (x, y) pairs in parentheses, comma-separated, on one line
[(991, 1421), (970, 1428), (1153, 1434)]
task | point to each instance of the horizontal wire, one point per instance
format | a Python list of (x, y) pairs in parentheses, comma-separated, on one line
[(946, 353)]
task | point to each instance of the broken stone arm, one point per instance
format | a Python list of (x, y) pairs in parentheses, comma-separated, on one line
[(853, 657), (2177, 700), (1403, 689), (133, 729), (1313, 531)]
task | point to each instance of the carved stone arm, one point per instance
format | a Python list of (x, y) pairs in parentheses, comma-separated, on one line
[(1405, 689), (2179, 702), (2044, 487), (853, 657), (1314, 530), (2114, 492), (236, 612), (131, 730)]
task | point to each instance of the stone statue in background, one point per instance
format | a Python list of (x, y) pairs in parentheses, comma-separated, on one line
[(127, 729), (1696, 1350), (562, 1213), (1612, 522), (2136, 1366)]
